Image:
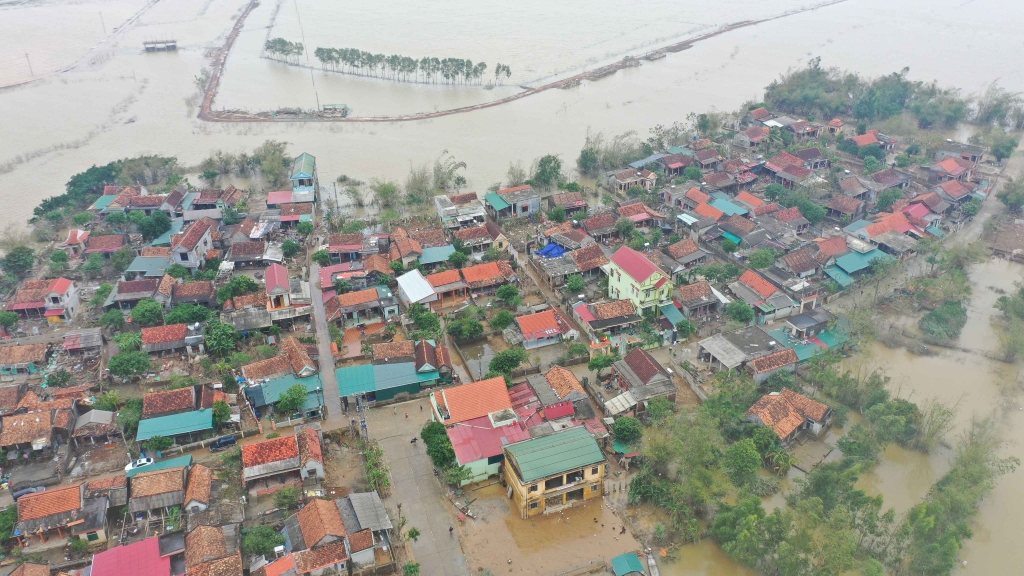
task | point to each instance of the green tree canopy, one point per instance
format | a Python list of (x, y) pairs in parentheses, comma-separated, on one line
[(600, 362), (9, 319), (1012, 194), (740, 311), (321, 257), (548, 172), (693, 173), (292, 399), (221, 338), (742, 462), (148, 312), (128, 341), (19, 261), (574, 283), (502, 319), (112, 319), (457, 259), (261, 541), (129, 364), (188, 314), (221, 412), (628, 430), (290, 248), (509, 294), (557, 214), (763, 258), (506, 361)]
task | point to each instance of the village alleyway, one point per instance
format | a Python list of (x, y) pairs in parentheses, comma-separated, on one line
[(332, 399)]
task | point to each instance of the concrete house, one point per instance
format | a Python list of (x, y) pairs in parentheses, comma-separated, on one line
[(541, 329), (622, 180), (555, 472), (699, 300), (601, 227), (640, 376), (520, 201), (57, 300), (571, 202), (304, 178), (764, 366), (160, 339), (155, 493), (189, 249), (23, 359), (61, 512), (460, 211), (632, 276), (268, 465)]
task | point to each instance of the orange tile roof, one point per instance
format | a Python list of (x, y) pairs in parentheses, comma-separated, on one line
[(158, 482), (749, 199), (637, 208), (162, 334), (789, 214), (26, 428), (774, 361), (203, 544), (766, 209), (360, 297), (312, 559), (475, 233), (614, 309), (227, 566), (831, 246), (308, 440), (318, 520), (377, 263), (683, 248), (388, 350), (119, 481), (277, 567), (361, 540), (28, 569), (563, 381), (193, 235), (599, 222), (806, 406), (474, 400), (272, 450), (589, 257), (777, 413), (57, 500), (483, 275), (540, 324), (442, 278), (200, 479), (708, 211), (865, 139), (464, 198), (758, 284), (694, 291), (264, 368)]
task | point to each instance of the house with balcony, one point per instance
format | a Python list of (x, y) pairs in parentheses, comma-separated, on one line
[(365, 306), (60, 513), (460, 211), (608, 321), (554, 472), (304, 178), (632, 276), (56, 300), (519, 201)]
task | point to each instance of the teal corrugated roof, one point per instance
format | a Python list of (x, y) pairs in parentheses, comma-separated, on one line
[(306, 218), (680, 150), (165, 239), (394, 375), (188, 200), (560, 452), (427, 376), (149, 266), (627, 564), (672, 313), (304, 166), (436, 254), (273, 389), (855, 261), (496, 201), (102, 202), (162, 465), (934, 230), (857, 226), (842, 278), (355, 379), (176, 424), (733, 237), (833, 338), (728, 207)]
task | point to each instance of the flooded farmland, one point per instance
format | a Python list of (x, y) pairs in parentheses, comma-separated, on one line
[(116, 101)]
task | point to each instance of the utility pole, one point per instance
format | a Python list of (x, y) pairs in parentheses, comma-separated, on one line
[(103, 24), (31, 73)]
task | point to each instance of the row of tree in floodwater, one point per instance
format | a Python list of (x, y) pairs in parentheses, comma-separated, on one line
[(427, 70)]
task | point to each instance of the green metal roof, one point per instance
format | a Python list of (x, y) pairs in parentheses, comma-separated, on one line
[(496, 201), (355, 379), (102, 202), (162, 465), (842, 278), (304, 166), (273, 389), (306, 218), (855, 261), (560, 452), (436, 254), (189, 200), (672, 313), (394, 375), (728, 207), (149, 266), (857, 226), (733, 237), (427, 376), (176, 424), (680, 150), (627, 564), (165, 239)]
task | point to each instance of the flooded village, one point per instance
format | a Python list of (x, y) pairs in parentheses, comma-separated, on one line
[(319, 323)]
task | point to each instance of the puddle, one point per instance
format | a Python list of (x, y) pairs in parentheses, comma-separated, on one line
[(477, 357)]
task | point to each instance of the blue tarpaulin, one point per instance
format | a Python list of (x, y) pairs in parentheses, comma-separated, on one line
[(552, 250)]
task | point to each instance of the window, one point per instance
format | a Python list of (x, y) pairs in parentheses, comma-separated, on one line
[(596, 486), (183, 256), (595, 470), (534, 504), (533, 488), (92, 536)]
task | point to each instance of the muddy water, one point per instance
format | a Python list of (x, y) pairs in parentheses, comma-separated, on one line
[(478, 356), (121, 102)]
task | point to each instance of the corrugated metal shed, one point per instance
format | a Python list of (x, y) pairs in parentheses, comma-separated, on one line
[(370, 511), (620, 403), (355, 379), (176, 424), (543, 457)]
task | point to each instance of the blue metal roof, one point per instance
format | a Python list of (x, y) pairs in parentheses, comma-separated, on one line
[(355, 379), (394, 375), (857, 226), (842, 278), (728, 207), (652, 158), (165, 239), (149, 266), (175, 424), (672, 313), (496, 201), (162, 465), (855, 261), (270, 392), (102, 202)]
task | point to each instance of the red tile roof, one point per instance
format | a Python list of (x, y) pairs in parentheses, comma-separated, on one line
[(475, 399), (832, 246), (157, 403), (694, 291), (267, 451), (589, 257), (760, 113), (193, 235), (789, 214), (429, 237), (697, 196), (388, 350), (56, 500), (483, 275), (758, 284), (707, 155), (865, 139), (162, 334), (474, 233), (774, 361), (134, 559), (954, 188), (845, 204), (635, 264), (683, 248), (226, 566), (569, 199), (200, 480), (777, 413), (158, 482), (277, 278), (637, 209), (203, 544), (563, 381), (360, 297), (757, 133), (801, 261), (109, 243), (515, 189), (465, 198), (308, 440), (643, 364), (769, 208), (599, 222), (361, 540)]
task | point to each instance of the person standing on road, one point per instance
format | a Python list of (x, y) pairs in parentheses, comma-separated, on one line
[(451, 531)]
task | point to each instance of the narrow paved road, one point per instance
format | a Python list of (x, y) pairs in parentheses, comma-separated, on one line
[(332, 399)]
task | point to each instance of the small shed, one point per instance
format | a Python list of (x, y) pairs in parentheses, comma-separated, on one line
[(627, 564)]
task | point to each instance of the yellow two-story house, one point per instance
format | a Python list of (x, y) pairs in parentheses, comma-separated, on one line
[(631, 276), (554, 472)]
